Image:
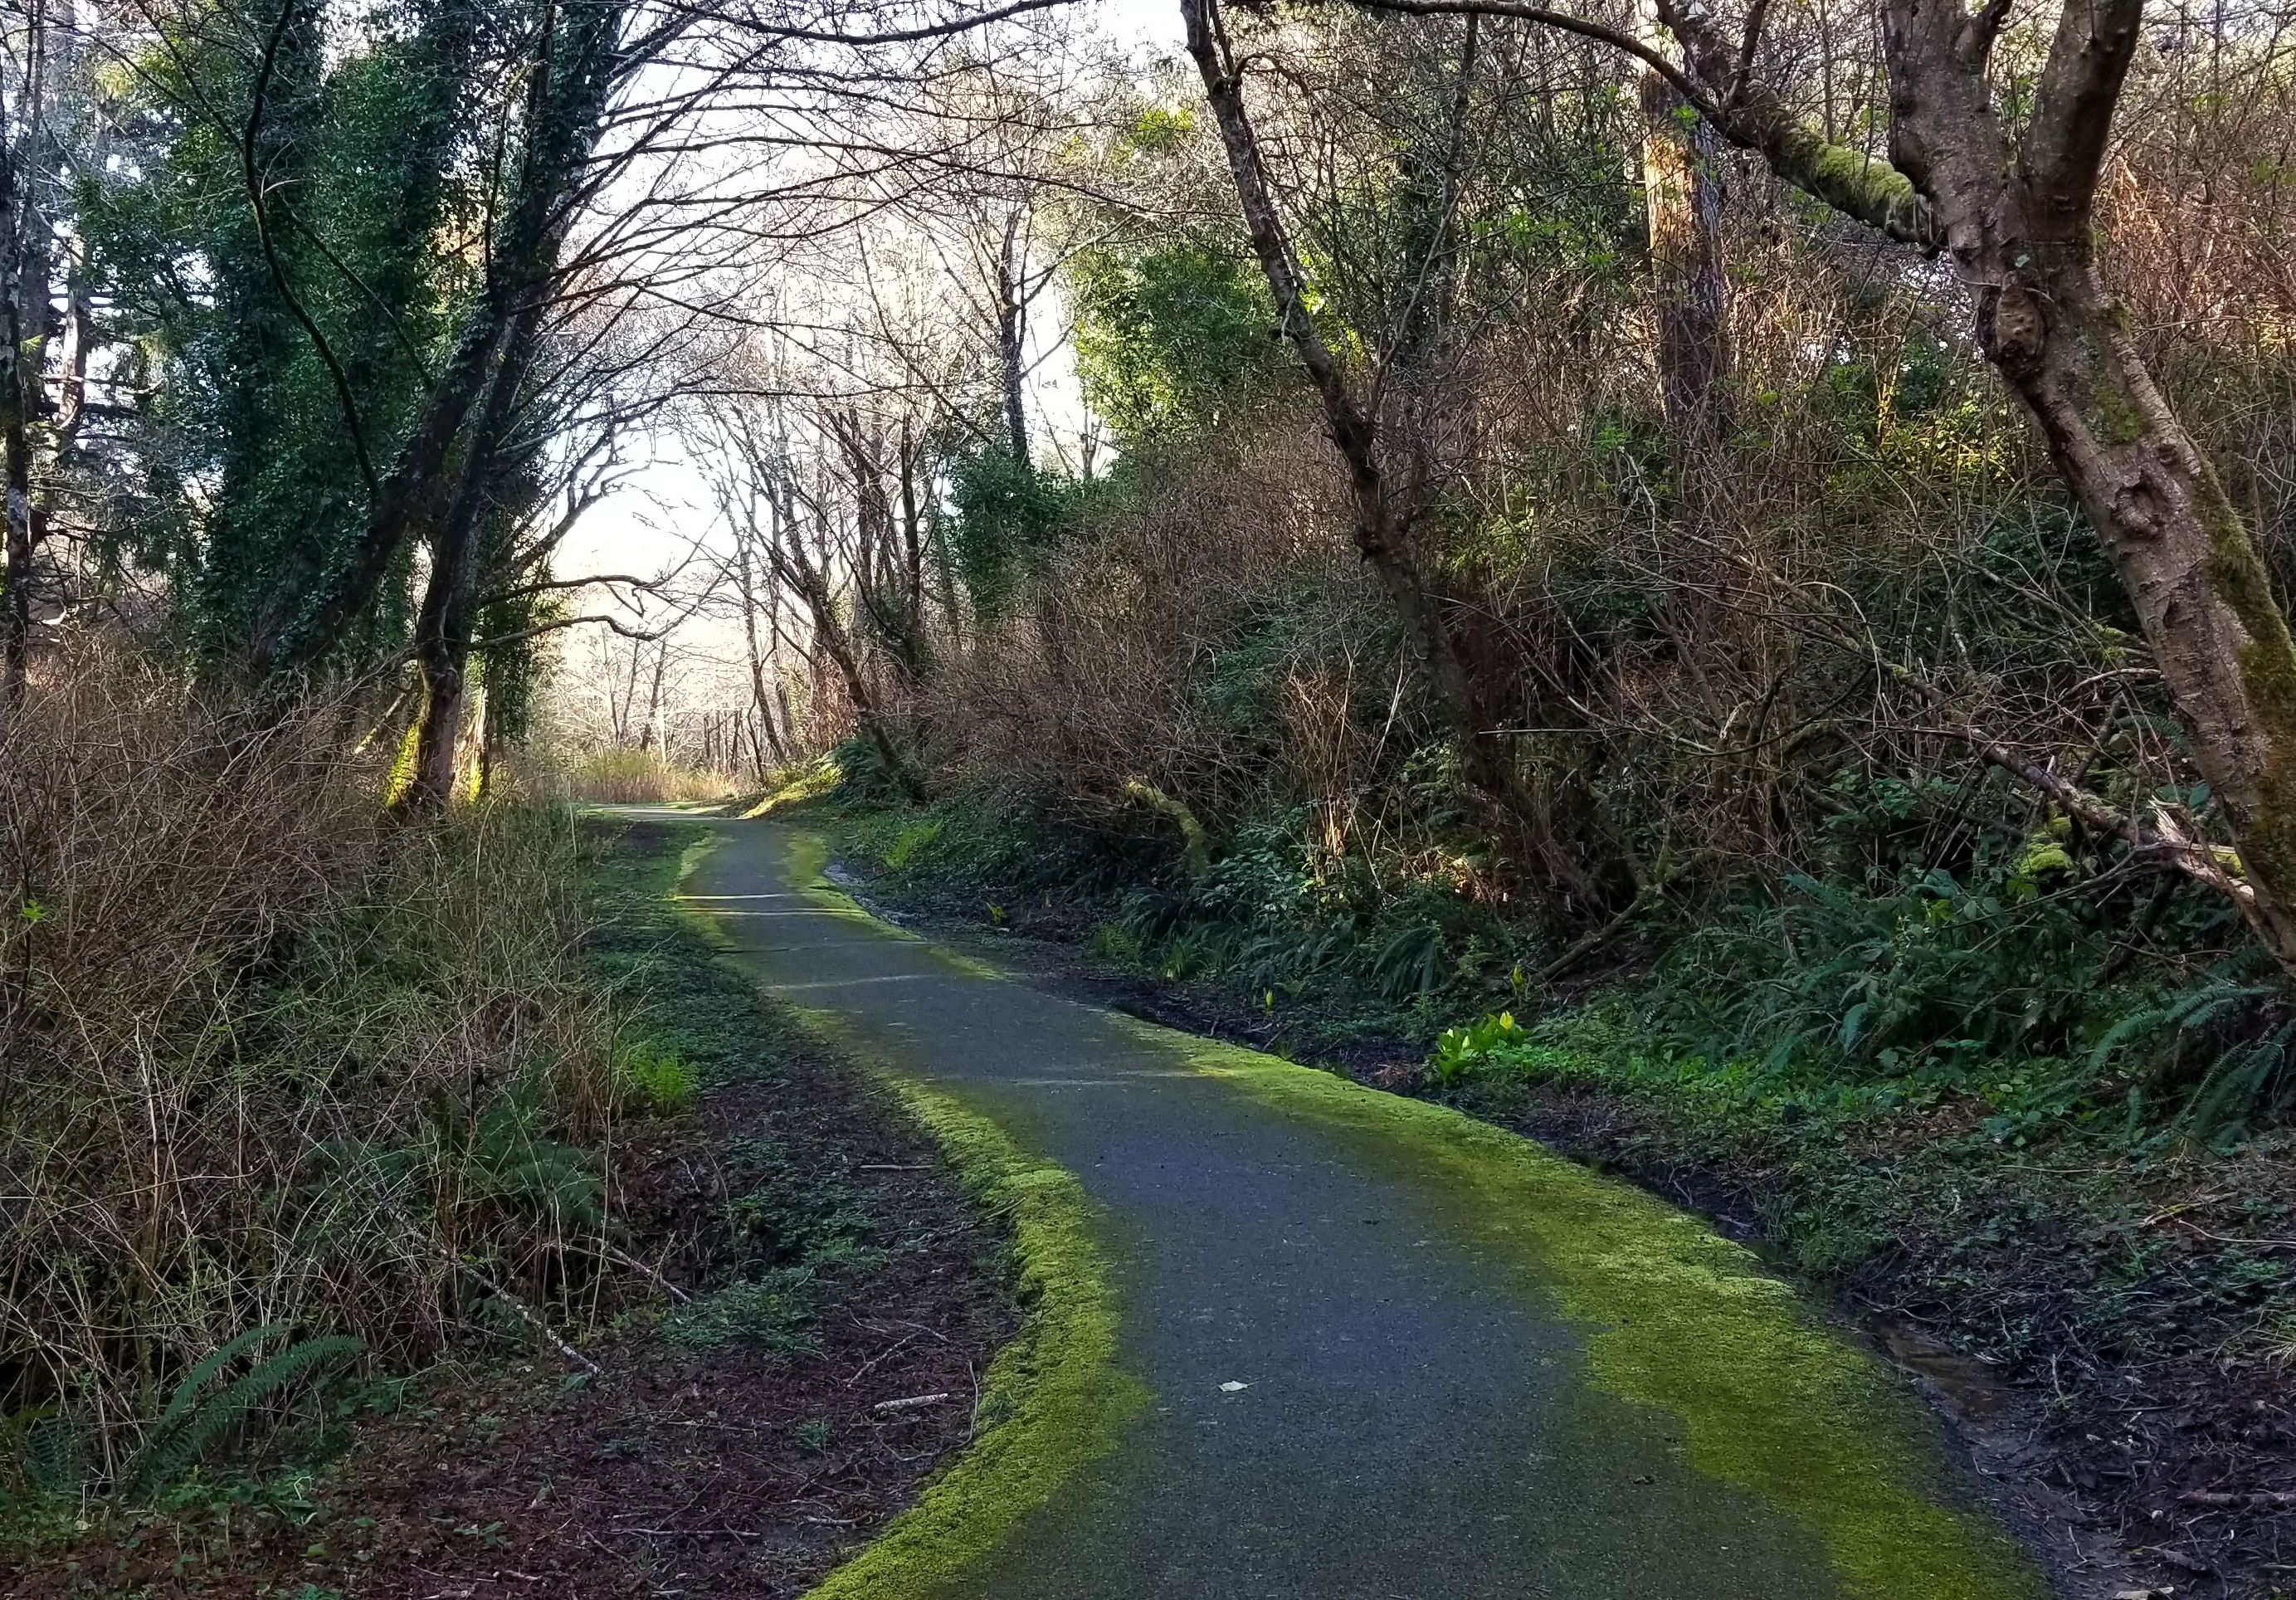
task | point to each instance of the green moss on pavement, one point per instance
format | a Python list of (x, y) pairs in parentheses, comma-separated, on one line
[(1054, 1400), (1679, 1318)]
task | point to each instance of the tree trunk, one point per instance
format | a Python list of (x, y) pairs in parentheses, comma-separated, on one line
[(2020, 230), (865, 710), (443, 627), (912, 547), (1384, 512), (1013, 336), (809, 581), (650, 736), (445, 663), (1683, 203), (19, 393), (2217, 631), (489, 745), (758, 696), (78, 331)]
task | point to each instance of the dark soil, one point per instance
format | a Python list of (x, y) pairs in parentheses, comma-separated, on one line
[(2115, 1347), (733, 1441)]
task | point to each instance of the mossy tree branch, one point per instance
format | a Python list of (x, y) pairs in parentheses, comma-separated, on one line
[(2012, 210)]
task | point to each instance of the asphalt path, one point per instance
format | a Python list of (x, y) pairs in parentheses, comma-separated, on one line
[(1357, 1395)]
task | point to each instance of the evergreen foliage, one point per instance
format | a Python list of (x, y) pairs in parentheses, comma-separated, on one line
[(361, 147)]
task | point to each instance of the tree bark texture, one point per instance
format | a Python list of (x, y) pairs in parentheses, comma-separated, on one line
[(1682, 205)]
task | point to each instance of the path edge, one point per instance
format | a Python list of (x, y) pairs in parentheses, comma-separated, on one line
[(1053, 1399)]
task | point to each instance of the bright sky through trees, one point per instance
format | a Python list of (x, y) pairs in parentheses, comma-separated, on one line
[(663, 517)]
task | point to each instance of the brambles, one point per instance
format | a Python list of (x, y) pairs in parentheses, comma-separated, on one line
[(283, 1089)]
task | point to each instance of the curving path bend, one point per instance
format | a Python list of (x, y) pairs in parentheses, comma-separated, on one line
[(1386, 1353)]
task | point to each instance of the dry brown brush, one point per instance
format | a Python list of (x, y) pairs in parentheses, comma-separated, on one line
[(279, 1079)]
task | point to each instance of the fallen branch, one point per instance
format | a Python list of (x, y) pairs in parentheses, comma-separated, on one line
[(2165, 840), (1195, 845), (911, 1403), (532, 1318), (2200, 861)]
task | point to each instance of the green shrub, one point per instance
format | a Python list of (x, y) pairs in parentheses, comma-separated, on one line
[(653, 1077), (773, 1312), (1113, 941)]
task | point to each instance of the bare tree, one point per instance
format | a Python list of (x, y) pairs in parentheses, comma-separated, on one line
[(822, 537), (1387, 480), (768, 738)]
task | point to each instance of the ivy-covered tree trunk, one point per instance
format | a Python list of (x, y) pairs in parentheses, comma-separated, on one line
[(442, 658), (574, 67), (493, 494)]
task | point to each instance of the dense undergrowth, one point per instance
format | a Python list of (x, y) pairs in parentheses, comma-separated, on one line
[(2052, 987), (776, 1250), (289, 1107)]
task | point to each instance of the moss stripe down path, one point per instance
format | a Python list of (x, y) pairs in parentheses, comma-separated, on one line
[(1289, 1337), (1053, 1399)]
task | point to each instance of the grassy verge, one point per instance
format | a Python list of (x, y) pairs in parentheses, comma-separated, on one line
[(1052, 1401), (2124, 1311)]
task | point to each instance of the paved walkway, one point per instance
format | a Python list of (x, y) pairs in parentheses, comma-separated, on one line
[(1363, 1388)]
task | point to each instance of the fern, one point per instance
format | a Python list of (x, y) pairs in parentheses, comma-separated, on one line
[(47, 1451), (222, 1356), (554, 1182), (189, 1426), (2244, 1083)]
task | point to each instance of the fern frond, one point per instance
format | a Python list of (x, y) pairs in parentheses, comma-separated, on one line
[(221, 1357), (187, 1435)]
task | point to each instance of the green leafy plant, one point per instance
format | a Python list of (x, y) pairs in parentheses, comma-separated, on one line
[(915, 838), (773, 1312), (1466, 1052), (655, 1077), (197, 1419)]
